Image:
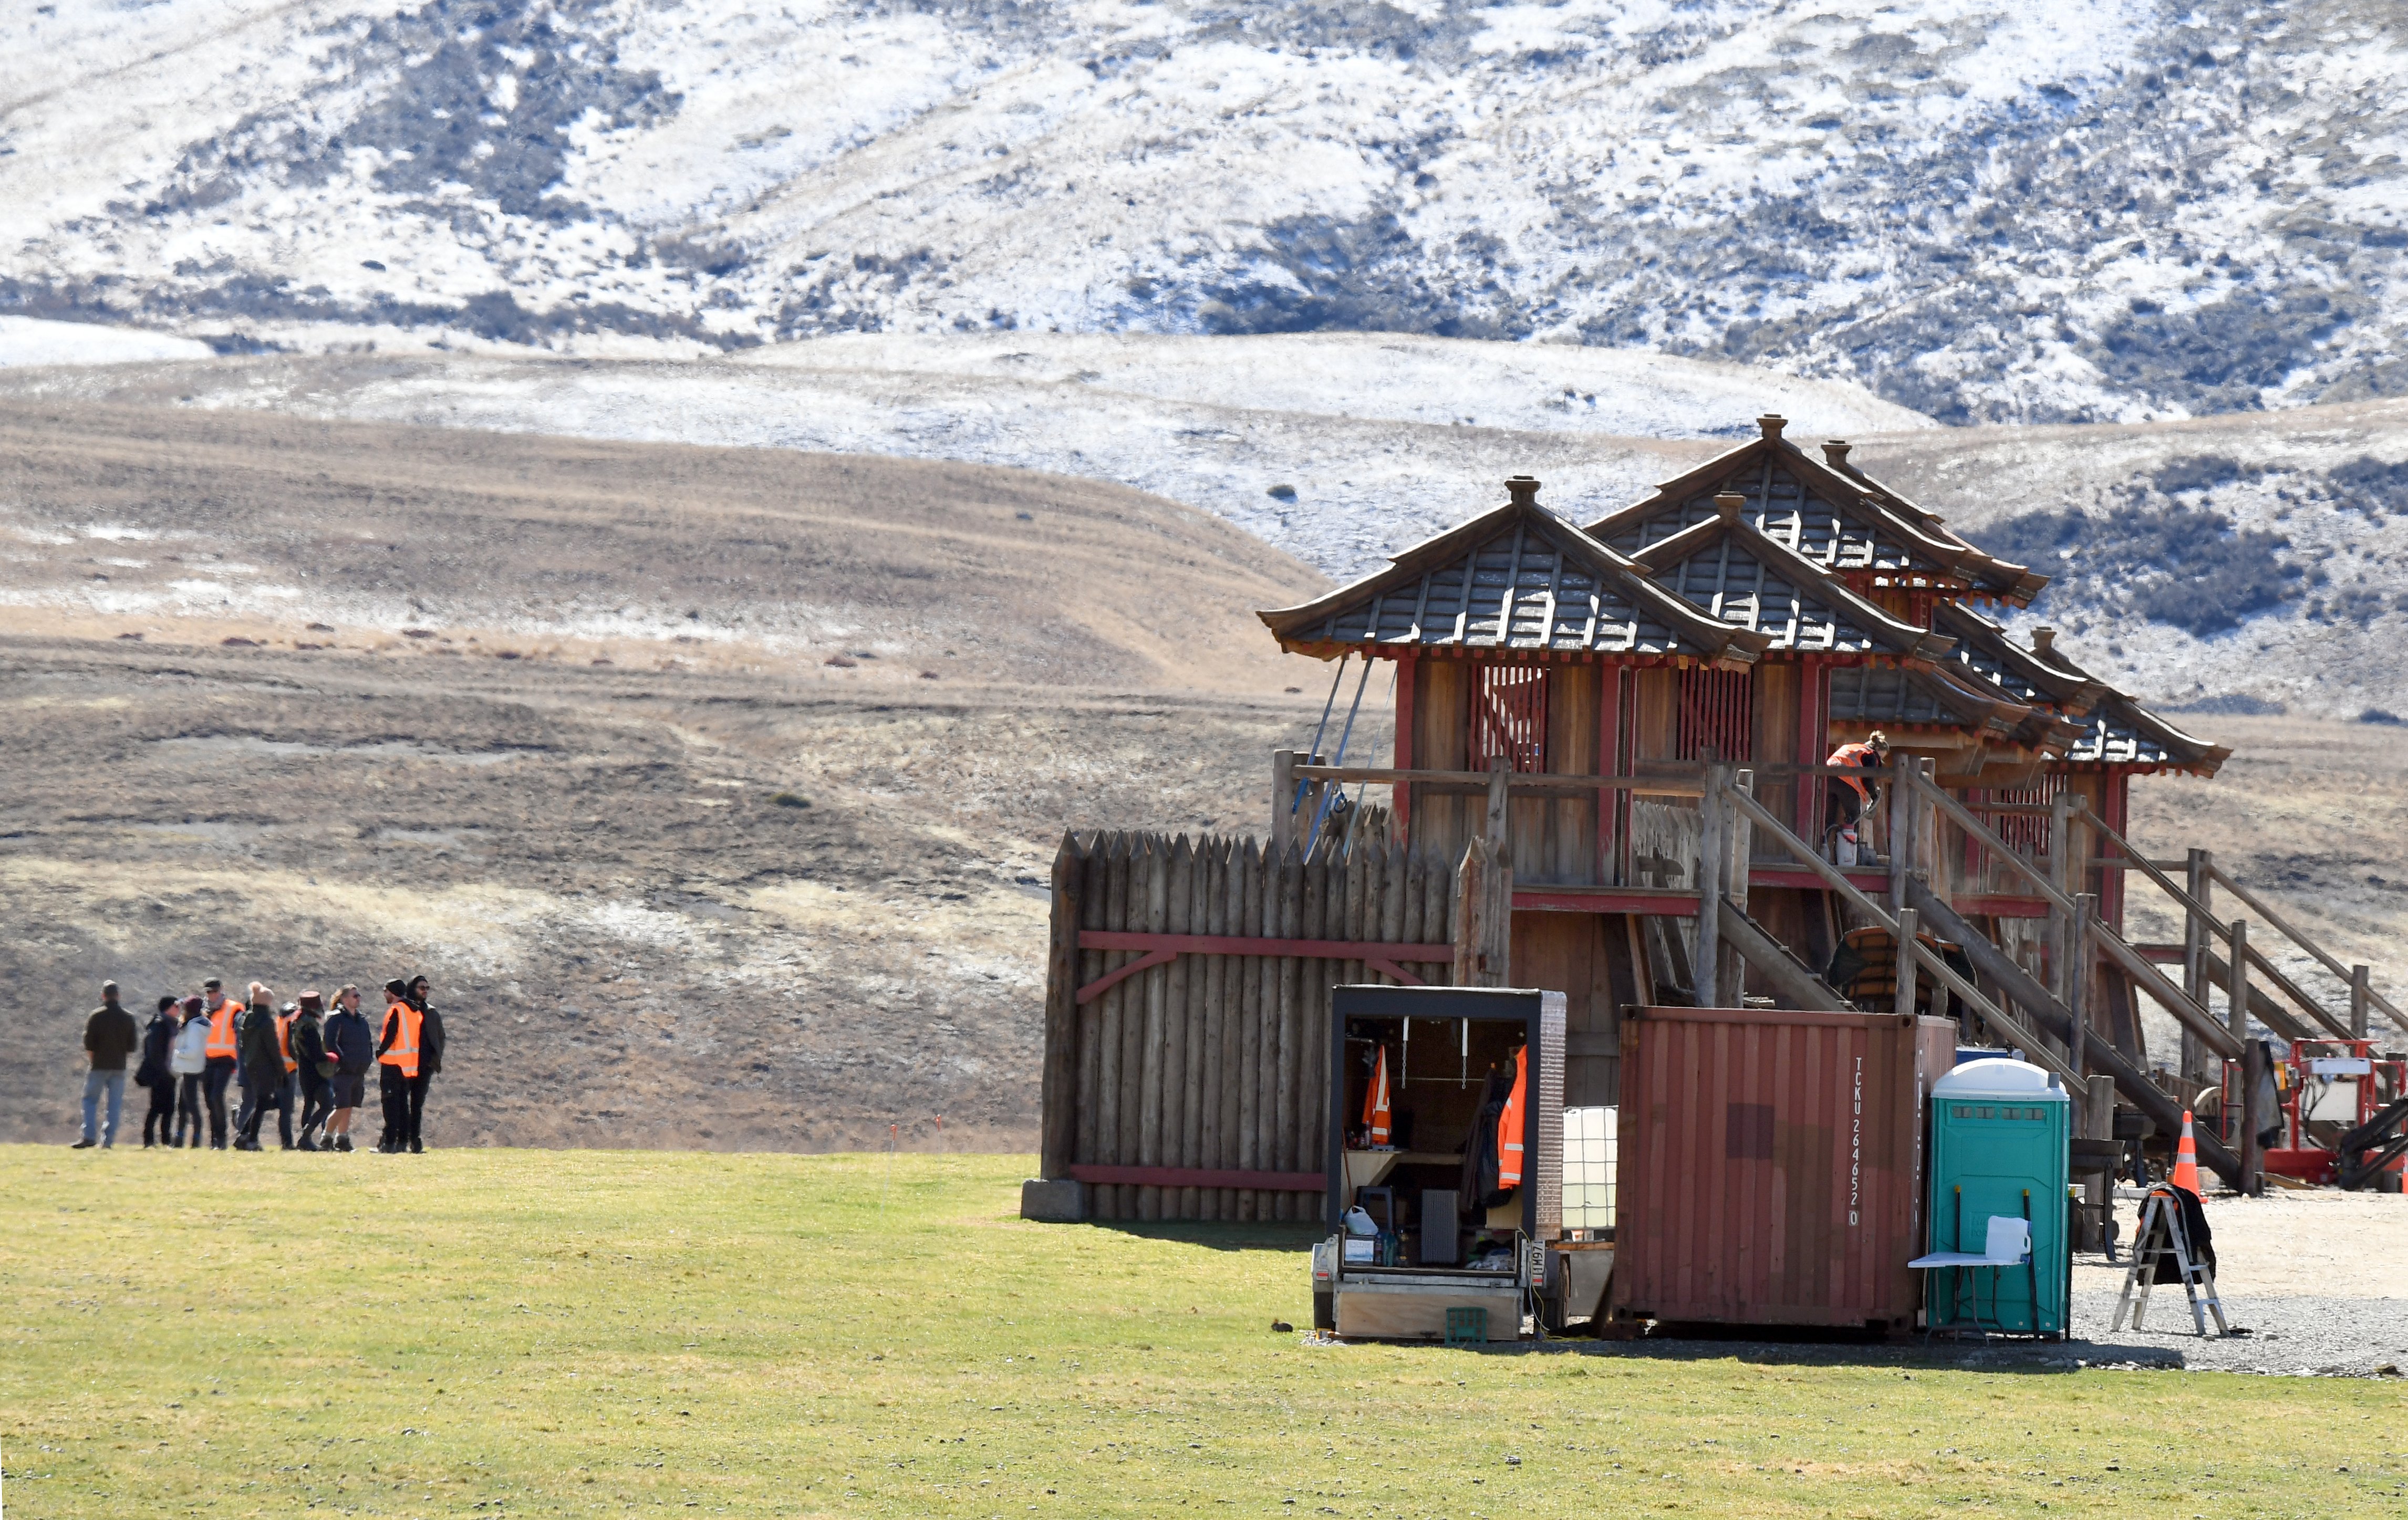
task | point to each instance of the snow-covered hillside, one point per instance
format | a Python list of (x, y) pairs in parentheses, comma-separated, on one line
[(1977, 209)]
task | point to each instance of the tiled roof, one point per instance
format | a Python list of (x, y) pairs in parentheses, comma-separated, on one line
[(1750, 580), (1514, 577)]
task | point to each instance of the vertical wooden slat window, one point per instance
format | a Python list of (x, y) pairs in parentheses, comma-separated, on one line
[(2027, 831), (1717, 711), (1509, 717)]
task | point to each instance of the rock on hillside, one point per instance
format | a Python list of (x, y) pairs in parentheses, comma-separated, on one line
[(1978, 208)]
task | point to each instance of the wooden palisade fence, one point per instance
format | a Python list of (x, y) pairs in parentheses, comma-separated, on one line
[(1187, 1011)]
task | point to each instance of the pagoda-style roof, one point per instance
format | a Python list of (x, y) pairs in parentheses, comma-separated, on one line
[(1903, 700), (2119, 732), (1831, 515), (1986, 648), (1744, 576), (1515, 578)]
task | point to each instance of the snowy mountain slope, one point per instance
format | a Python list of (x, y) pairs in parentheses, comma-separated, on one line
[(1978, 208), (2258, 558)]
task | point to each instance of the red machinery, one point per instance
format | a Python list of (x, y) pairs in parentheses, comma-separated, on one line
[(2337, 1098)]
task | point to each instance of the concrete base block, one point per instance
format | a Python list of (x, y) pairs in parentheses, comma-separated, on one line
[(1063, 1202)]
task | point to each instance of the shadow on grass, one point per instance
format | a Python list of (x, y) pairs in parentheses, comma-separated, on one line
[(1806, 1347), (1259, 1235)]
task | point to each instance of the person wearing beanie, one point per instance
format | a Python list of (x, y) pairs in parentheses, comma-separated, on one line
[(187, 1061), (304, 1048), (109, 1036), (396, 1063), (152, 1076), (351, 1046)]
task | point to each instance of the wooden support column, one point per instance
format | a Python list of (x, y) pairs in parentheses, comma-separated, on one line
[(1902, 855), (2253, 1155), (2358, 1001), (1732, 976), (2074, 960), (1283, 801), (1400, 799), (1706, 965), (2061, 875), (1906, 962), (1500, 811), (2237, 1011), (2098, 1124), (2199, 881)]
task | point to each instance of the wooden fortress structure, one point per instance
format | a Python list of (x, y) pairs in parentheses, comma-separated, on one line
[(1609, 780)]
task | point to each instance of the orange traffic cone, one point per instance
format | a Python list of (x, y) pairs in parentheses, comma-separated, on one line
[(2186, 1174)]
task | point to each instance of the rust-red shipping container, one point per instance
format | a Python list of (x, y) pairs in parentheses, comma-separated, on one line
[(1770, 1165)]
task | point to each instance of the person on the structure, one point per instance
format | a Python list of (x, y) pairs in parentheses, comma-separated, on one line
[(430, 1061), (1851, 797), (109, 1036), (396, 1063), (224, 1050), (263, 1072), (188, 1060), (304, 1048), (152, 1076), (352, 1045)]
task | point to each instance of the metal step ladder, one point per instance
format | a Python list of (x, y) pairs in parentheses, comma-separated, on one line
[(2161, 1235)]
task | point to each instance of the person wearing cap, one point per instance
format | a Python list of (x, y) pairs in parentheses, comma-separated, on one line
[(263, 1071), (1852, 796), (352, 1045), (305, 1050), (396, 1063), (222, 1048), (188, 1060), (152, 1076), (430, 1060), (109, 1036)]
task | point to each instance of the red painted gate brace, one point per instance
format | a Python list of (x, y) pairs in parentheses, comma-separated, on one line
[(1161, 949)]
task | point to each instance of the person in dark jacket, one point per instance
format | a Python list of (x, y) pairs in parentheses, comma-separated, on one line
[(305, 1043), (263, 1072), (153, 1075), (109, 1036), (350, 1044), (430, 1060)]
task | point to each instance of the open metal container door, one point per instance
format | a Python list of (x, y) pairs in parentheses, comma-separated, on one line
[(1407, 1301)]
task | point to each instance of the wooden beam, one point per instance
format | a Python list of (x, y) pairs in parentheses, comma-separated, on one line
[(2282, 927), (2152, 981), (1672, 785), (1705, 972), (1903, 974), (1781, 971)]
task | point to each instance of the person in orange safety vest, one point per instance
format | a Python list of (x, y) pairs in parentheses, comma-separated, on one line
[(1852, 796), (396, 1063), (1511, 1125), (223, 1052)]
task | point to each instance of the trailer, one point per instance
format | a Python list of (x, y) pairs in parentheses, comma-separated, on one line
[(1447, 1255)]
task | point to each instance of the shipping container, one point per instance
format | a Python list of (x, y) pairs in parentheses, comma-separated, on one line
[(1770, 1166)]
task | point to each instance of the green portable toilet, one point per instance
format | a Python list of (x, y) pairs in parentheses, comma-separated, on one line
[(1999, 1147)]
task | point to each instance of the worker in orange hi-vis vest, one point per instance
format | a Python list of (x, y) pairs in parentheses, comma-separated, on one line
[(1509, 1125), (221, 1053), (1375, 1102), (1852, 796), (396, 1063)]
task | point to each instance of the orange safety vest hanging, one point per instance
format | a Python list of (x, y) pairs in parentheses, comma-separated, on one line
[(1509, 1125), (403, 1053), (221, 1037), (284, 1042), (1375, 1102)]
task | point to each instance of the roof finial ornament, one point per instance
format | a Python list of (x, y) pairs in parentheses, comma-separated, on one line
[(2044, 642), (1835, 451), (1523, 489), (1729, 504), (1771, 423)]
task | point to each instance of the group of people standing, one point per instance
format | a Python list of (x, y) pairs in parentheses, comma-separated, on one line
[(305, 1052)]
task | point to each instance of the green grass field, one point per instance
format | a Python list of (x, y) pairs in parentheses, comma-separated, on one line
[(523, 1332)]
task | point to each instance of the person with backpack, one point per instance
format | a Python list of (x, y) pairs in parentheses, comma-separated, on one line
[(188, 1063), (109, 1036), (352, 1045), (305, 1050), (152, 1076), (263, 1072)]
